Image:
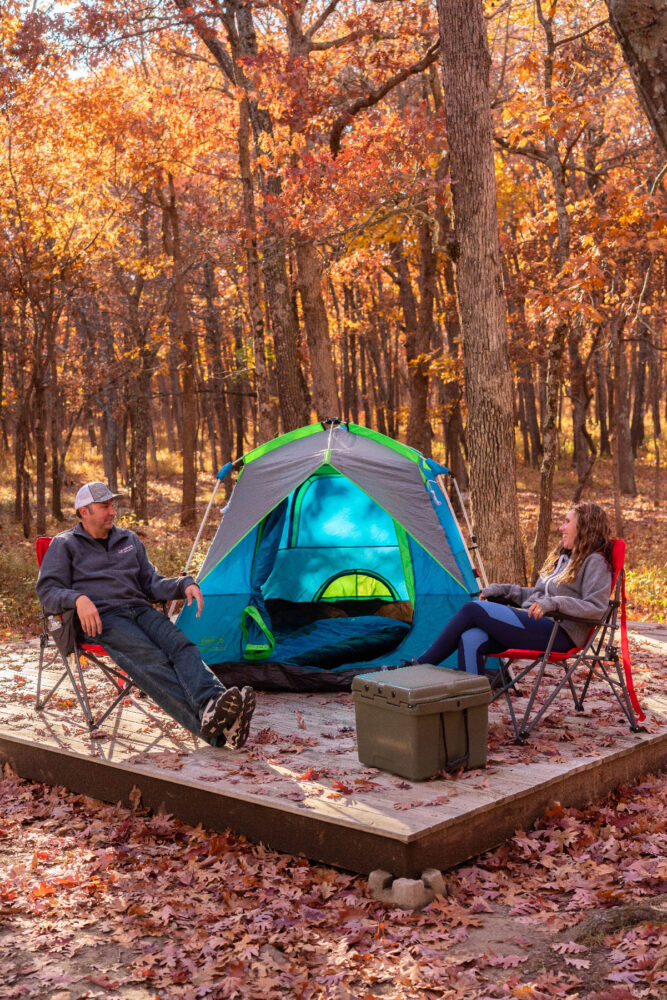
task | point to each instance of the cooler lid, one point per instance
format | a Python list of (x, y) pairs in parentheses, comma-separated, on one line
[(419, 684)]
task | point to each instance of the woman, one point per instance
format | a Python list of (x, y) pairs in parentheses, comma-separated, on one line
[(575, 581)]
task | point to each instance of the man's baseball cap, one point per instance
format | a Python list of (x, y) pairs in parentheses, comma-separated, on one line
[(94, 493)]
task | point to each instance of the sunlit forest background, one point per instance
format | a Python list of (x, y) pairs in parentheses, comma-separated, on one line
[(221, 223)]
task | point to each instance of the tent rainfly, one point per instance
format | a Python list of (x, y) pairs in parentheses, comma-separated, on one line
[(337, 553)]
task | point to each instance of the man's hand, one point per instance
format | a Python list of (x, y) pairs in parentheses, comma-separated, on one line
[(535, 610), (193, 593), (88, 615)]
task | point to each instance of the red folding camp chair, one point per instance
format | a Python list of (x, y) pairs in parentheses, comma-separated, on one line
[(598, 657), (74, 669)]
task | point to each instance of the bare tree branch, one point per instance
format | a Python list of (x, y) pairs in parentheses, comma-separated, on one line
[(375, 96)]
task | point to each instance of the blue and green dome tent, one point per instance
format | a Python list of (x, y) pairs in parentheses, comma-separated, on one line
[(338, 552)]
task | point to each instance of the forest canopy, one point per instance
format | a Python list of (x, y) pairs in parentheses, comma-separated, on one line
[(223, 220)]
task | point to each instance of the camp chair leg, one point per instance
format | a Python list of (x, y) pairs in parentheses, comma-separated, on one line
[(43, 643), (617, 684), (78, 689), (79, 686), (114, 676), (506, 690), (509, 688)]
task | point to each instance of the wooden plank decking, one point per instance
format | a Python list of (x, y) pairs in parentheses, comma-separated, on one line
[(298, 785)]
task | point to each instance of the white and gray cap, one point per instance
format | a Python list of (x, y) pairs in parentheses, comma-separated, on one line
[(94, 493)]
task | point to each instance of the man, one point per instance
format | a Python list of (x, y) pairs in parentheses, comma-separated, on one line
[(103, 572)]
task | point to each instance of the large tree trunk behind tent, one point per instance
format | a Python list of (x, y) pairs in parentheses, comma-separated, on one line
[(641, 29), (466, 63)]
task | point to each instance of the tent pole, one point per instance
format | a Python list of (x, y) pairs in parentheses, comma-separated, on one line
[(473, 546), (184, 571)]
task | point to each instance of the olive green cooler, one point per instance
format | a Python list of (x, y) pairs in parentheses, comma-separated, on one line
[(418, 720)]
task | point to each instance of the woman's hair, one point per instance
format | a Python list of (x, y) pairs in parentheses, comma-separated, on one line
[(592, 535)]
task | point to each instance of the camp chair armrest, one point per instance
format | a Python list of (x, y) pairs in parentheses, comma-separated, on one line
[(557, 617)]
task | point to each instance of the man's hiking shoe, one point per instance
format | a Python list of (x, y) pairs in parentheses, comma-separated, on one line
[(221, 712), (237, 733)]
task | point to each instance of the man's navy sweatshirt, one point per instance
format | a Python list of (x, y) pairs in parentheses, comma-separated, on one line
[(113, 574)]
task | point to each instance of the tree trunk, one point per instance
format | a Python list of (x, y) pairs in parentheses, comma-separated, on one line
[(419, 433), (601, 401), (377, 337), (365, 377), (639, 402), (294, 410), (585, 451), (528, 386), (236, 402), (641, 29), (623, 456), (406, 297), (266, 422), (174, 398), (57, 460), (140, 434), (466, 63), (350, 408), (185, 337), (451, 395), (523, 424), (655, 372), (559, 335), (214, 344), (40, 451), (20, 450), (316, 324)]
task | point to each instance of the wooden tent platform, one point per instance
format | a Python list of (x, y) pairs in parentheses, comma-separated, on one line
[(298, 785)]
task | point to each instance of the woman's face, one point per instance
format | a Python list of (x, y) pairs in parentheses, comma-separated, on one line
[(568, 529)]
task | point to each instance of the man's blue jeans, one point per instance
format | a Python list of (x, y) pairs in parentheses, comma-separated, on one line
[(163, 662)]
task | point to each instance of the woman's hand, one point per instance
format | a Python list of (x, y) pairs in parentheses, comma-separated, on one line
[(535, 610)]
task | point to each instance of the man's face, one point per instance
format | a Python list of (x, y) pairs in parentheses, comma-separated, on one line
[(97, 518)]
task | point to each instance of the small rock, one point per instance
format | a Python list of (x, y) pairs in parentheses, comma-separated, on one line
[(379, 881), (433, 880), (408, 893)]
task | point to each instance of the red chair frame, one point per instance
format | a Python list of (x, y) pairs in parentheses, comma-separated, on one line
[(73, 668), (599, 656)]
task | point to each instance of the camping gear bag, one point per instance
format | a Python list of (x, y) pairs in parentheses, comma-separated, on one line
[(418, 720)]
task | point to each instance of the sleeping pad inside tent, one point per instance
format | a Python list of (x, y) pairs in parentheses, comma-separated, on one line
[(337, 553)]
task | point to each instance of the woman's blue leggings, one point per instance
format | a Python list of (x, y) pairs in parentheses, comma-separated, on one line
[(481, 628)]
